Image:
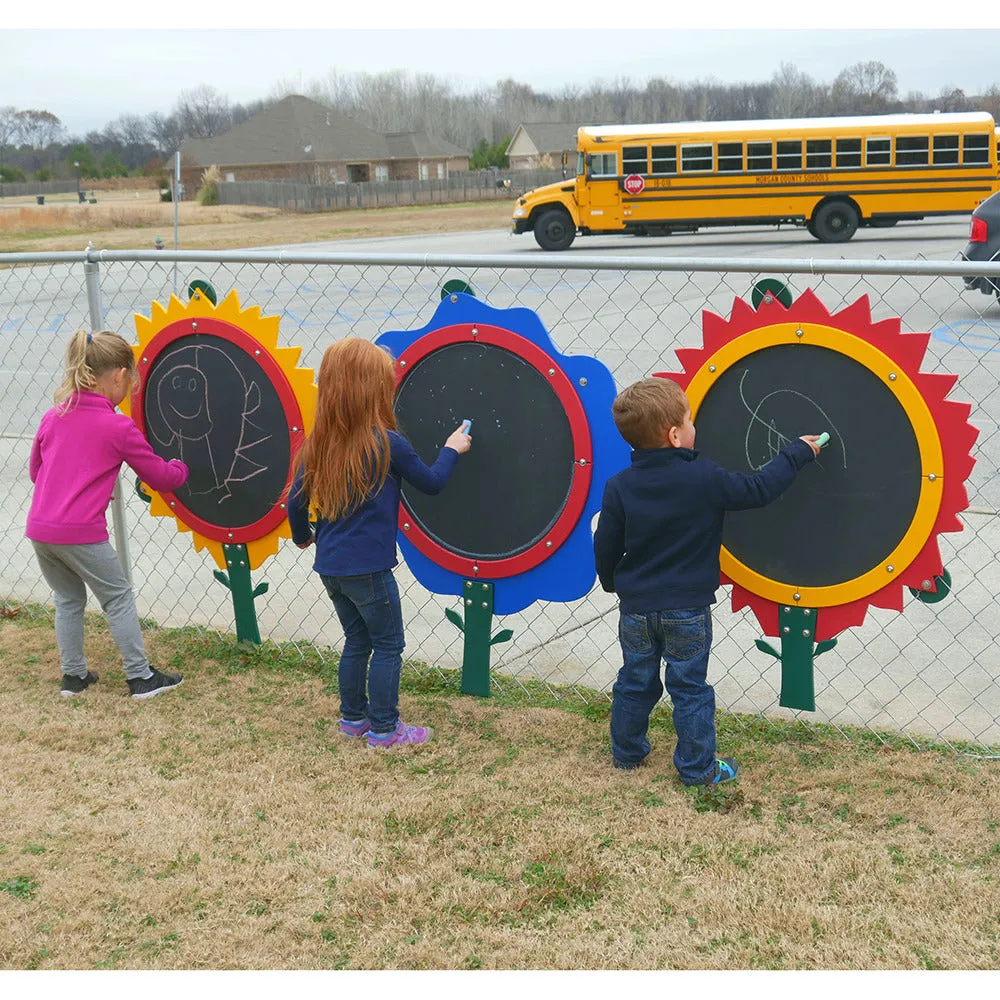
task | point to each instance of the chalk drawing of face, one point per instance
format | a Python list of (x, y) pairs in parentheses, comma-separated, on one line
[(182, 396)]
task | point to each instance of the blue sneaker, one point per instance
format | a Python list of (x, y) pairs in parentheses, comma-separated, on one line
[(726, 769), (354, 729)]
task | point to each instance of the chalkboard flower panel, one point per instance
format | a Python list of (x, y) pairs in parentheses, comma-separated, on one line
[(517, 512), (216, 391), (861, 522)]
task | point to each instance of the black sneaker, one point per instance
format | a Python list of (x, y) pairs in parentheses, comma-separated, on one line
[(77, 685), (151, 686)]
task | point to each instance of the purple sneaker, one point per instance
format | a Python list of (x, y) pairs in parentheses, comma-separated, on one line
[(401, 734), (353, 729)]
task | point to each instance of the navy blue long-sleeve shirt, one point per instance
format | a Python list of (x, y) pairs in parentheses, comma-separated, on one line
[(660, 531), (365, 540)]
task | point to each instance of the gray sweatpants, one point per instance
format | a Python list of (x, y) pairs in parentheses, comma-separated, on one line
[(67, 569)]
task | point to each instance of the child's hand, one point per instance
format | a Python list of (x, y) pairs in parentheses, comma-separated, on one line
[(305, 545), (459, 440), (811, 439)]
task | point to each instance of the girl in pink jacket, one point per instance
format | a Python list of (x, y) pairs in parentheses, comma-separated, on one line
[(75, 459)]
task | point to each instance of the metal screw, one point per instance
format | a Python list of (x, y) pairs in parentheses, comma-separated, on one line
[(787, 610), (475, 331), (475, 569), (583, 461), (799, 333), (402, 364), (230, 534), (548, 545), (711, 368), (805, 632), (406, 527), (890, 568), (145, 361), (486, 586), (796, 597), (485, 605), (229, 562), (468, 603), (583, 381), (807, 611), (295, 430), (242, 563), (454, 298), (926, 585), (892, 376), (282, 506), (257, 353), (194, 326), (172, 503), (932, 477), (468, 584), (786, 630), (552, 371)]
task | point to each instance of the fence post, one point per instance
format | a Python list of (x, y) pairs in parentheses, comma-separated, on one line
[(92, 278)]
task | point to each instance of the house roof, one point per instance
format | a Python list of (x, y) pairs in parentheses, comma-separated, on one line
[(410, 145), (299, 130), (547, 137)]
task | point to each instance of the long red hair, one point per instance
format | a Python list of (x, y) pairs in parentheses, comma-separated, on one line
[(346, 457)]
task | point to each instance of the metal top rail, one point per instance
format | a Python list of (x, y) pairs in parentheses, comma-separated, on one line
[(520, 261)]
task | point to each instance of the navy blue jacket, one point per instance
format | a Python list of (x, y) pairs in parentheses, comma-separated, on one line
[(660, 531), (365, 540)]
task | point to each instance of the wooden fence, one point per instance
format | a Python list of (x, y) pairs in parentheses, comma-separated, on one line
[(471, 186)]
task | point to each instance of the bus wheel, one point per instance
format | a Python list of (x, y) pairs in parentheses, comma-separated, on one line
[(835, 222), (554, 230)]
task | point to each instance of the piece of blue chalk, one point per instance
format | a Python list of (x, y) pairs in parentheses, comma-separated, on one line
[(466, 426), (823, 440)]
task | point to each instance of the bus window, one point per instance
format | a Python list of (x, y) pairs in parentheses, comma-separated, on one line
[(912, 150), (635, 160), (848, 153), (664, 160), (759, 156), (579, 164), (976, 149), (696, 158), (878, 152), (604, 165), (730, 157), (789, 155), (945, 149), (819, 154)]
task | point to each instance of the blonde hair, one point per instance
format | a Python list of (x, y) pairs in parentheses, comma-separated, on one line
[(346, 457), (646, 410), (88, 357)]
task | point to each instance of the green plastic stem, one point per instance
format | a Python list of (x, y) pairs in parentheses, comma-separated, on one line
[(478, 601), (243, 591)]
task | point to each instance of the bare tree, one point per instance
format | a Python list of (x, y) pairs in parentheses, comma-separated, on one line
[(203, 111), (39, 129), (10, 128), (865, 88)]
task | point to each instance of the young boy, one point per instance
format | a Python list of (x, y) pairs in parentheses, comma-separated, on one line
[(657, 546)]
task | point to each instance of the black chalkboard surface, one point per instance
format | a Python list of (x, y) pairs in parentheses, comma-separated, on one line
[(210, 404), (847, 510), (510, 488)]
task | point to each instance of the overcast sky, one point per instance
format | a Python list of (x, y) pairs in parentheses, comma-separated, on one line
[(119, 64)]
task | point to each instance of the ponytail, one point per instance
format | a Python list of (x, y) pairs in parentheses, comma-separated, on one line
[(88, 356)]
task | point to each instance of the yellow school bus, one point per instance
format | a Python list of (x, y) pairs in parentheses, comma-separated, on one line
[(830, 175)]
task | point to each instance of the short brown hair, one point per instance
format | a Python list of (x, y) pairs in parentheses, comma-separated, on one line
[(647, 409)]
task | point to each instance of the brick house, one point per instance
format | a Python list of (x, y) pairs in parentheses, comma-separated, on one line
[(298, 139)]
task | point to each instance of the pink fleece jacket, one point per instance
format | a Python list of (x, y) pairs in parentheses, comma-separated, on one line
[(75, 459)]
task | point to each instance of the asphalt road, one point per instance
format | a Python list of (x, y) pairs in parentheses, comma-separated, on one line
[(929, 670)]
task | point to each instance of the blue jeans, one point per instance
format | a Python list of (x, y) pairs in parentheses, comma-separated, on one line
[(372, 619), (682, 638)]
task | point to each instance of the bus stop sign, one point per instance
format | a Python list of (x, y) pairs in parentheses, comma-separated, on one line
[(634, 184)]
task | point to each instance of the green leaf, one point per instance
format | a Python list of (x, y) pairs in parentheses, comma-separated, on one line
[(455, 618), (504, 635), (822, 647), (221, 577), (766, 647), (261, 588)]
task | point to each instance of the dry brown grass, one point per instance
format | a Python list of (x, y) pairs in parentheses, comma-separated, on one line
[(228, 825), (124, 222)]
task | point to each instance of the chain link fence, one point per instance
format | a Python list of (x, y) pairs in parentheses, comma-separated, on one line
[(929, 673)]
